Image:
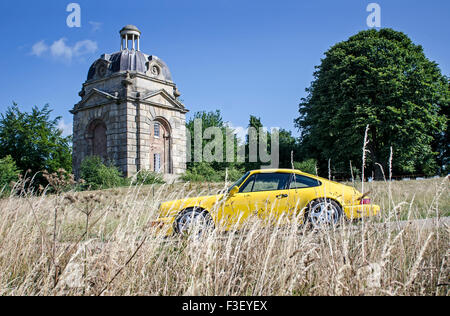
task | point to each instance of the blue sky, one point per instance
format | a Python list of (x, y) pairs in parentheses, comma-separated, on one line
[(241, 57)]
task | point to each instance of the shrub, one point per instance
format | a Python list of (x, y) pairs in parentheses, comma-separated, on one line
[(308, 166), (147, 177), (97, 175), (235, 174), (201, 172), (204, 172), (8, 173)]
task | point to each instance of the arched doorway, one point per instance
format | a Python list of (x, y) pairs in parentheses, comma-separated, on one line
[(98, 139), (161, 147)]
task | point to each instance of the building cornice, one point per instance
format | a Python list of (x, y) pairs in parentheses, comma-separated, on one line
[(111, 99), (132, 75)]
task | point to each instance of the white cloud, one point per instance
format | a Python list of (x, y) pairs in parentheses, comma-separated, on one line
[(85, 47), (66, 128), (61, 51), (96, 26), (39, 48)]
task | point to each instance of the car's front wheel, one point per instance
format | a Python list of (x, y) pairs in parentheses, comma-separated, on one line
[(324, 213), (193, 221)]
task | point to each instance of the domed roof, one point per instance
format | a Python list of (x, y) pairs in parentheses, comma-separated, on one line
[(164, 72), (130, 30), (132, 60), (125, 60), (129, 60), (130, 27)]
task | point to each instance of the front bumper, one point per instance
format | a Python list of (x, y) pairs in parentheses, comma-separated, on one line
[(360, 211)]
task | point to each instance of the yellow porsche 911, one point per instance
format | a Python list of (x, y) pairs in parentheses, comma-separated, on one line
[(280, 194)]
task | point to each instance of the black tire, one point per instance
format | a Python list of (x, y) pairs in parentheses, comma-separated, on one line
[(187, 219), (324, 213)]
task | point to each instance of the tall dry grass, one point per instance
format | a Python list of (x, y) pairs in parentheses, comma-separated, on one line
[(100, 243)]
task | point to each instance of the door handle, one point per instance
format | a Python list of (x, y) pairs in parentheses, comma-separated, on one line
[(282, 196)]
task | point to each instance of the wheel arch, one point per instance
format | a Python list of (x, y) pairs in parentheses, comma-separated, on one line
[(192, 207), (323, 198), (334, 199)]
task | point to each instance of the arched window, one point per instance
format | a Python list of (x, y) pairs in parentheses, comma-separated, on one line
[(157, 131), (161, 147), (157, 163), (98, 139)]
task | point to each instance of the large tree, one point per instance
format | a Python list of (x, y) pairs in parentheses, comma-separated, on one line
[(212, 119), (288, 145), (381, 79), (34, 141)]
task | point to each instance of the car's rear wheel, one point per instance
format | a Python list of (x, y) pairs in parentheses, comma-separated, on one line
[(193, 221), (324, 213)]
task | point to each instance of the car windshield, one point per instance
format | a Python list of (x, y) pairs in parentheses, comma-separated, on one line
[(239, 182)]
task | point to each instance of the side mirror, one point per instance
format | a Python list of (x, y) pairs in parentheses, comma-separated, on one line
[(233, 191)]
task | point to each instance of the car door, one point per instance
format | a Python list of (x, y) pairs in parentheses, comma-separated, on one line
[(234, 211), (268, 195), (303, 190)]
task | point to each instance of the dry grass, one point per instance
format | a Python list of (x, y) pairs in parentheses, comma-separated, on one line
[(100, 243)]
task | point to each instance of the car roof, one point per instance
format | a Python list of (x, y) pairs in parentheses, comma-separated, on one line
[(280, 171), (292, 171)]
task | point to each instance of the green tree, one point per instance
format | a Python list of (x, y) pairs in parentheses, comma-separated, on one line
[(441, 144), (289, 148), (212, 119), (34, 140), (288, 145), (8, 173), (381, 79), (255, 124), (97, 175), (308, 166)]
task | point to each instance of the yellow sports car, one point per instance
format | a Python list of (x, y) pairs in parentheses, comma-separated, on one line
[(273, 194)]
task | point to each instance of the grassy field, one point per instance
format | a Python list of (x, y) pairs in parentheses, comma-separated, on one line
[(100, 243)]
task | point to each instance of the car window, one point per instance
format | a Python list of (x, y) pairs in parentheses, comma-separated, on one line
[(301, 182), (239, 182), (248, 185), (266, 182)]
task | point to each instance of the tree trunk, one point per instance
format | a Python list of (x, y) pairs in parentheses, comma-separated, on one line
[(378, 174)]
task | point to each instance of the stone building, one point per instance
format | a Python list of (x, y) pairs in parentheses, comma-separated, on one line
[(130, 113)]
